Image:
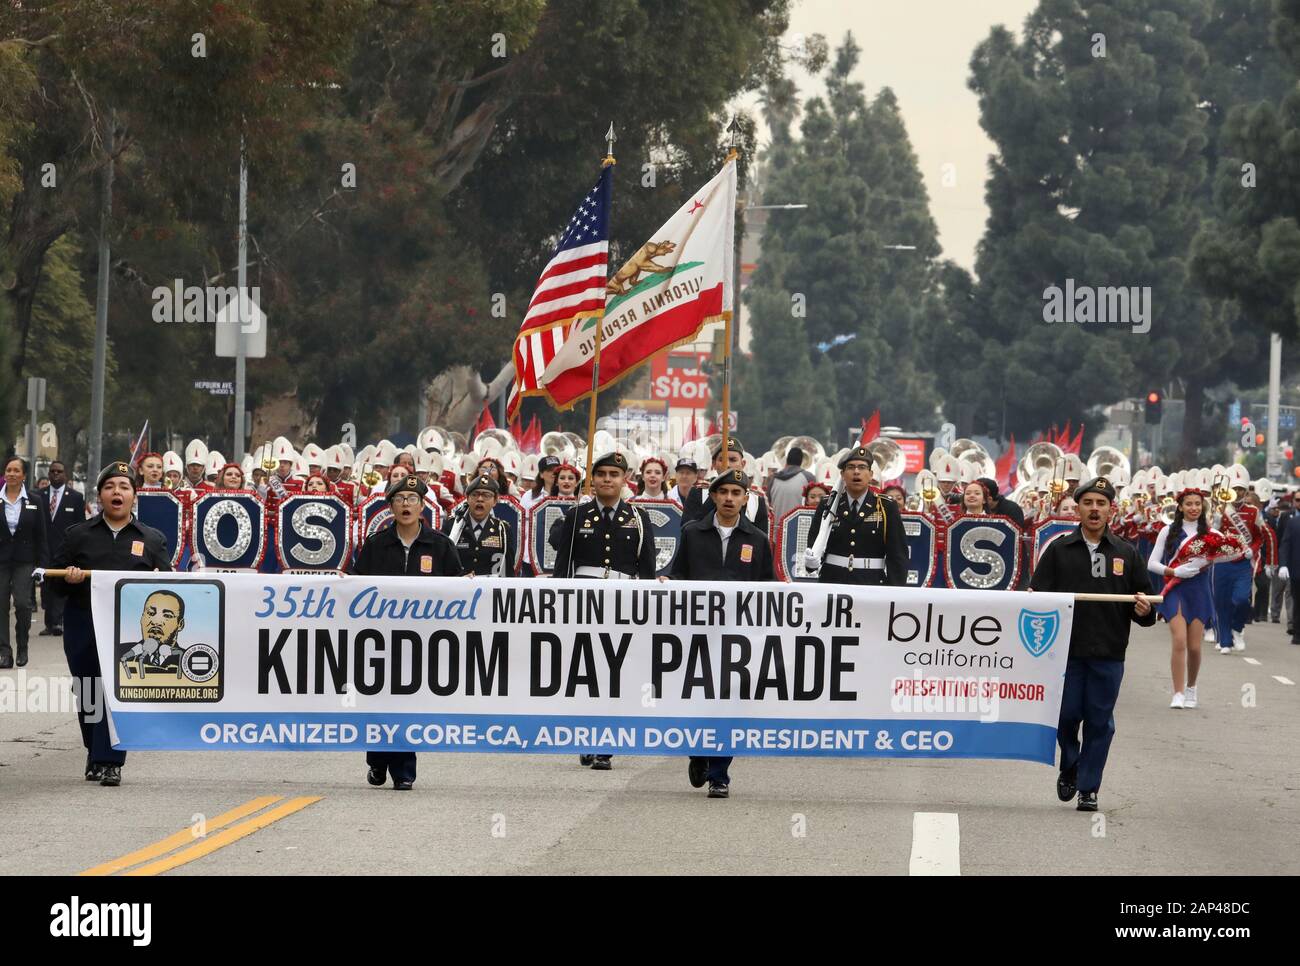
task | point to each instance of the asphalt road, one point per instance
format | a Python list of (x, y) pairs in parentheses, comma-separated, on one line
[(1209, 791)]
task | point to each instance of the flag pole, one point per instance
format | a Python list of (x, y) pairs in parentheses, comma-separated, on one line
[(600, 332), (725, 421)]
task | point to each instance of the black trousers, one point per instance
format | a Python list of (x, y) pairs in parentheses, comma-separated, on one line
[(92, 711), (16, 585), (400, 764), (53, 606)]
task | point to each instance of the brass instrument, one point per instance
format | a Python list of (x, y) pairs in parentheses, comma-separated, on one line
[(1168, 507), (269, 462), (168, 483), (370, 476), (1038, 457)]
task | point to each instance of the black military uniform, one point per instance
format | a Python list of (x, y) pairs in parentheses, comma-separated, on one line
[(866, 543), (599, 542), (700, 556), (486, 549), (430, 554), (93, 545)]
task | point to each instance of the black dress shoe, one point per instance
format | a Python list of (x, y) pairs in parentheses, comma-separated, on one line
[(698, 772), (376, 775), (93, 772), (602, 763), (58, 631), (6, 663), (718, 790), (1065, 788), (112, 776), (402, 784), (586, 760), (22, 658), (1087, 802), (45, 632)]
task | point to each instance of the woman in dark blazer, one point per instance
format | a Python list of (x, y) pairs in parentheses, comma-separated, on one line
[(23, 547)]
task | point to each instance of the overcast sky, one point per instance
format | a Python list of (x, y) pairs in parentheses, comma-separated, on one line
[(922, 49)]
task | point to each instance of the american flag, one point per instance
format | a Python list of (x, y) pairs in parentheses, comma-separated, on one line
[(571, 287)]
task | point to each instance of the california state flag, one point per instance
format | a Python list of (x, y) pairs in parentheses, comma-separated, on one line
[(662, 296)]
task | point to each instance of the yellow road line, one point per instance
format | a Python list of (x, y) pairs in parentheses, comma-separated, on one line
[(225, 837), (181, 838)]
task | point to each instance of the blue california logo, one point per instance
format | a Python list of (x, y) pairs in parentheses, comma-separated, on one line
[(1038, 630)]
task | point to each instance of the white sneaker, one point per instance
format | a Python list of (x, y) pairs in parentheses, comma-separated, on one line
[(1189, 697), (1224, 650), (1238, 640), (1178, 701), (1210, 636)]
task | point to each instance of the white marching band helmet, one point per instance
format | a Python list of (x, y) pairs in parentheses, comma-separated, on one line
[(214, 463), (196, 451), (172, 461)]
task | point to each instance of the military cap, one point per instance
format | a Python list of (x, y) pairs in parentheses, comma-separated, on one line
[(408, 484), (616, 460), (116, 468), (484, 483), (1098, 484), (860, 453), (730, 476), (733, 446)]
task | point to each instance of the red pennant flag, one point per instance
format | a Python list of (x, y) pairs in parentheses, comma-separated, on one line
[(1006, 468), (485, 420), (870, 429), (532, 442), (690, 435), (1077, 445)]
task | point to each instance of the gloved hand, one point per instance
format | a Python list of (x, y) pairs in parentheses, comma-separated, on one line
[(1269, 570), (1284, 573), (1184, 571), (38, 574), (811, 562)]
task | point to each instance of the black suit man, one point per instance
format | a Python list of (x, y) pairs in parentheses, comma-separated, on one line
[(63, 507)]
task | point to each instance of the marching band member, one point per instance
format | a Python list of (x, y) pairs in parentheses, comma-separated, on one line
[(727, 548), (1234, 581), (866, 543), (975, 499), (408, 548), (113, 539), (894, 491), (567, 481), (814, 492), (196, 457), (654, 475), (484, 542), (1188, 608), (231, 477), (1089, 560), (151, 471), (212, 469), (172, 470), (604, 538), (319, 485)]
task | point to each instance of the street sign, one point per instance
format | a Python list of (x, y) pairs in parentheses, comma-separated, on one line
[(35, 393), (215, 388), (228, 324)]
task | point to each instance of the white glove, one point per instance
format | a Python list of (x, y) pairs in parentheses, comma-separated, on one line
[(1284, 573), (1269, 570), (811, 562), (1184, 571), (38, 574)]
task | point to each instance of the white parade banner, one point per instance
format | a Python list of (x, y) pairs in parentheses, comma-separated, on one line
[(304, 662)]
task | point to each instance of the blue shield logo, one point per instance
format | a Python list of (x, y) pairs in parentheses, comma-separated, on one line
[(1038, 630)]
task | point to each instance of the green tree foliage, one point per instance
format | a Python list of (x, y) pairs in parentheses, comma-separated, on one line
[(871, 310)]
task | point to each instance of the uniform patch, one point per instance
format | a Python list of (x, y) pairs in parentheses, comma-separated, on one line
[(1117, 566), (746, 552), (426, 564), (491, 542), (137, 548)]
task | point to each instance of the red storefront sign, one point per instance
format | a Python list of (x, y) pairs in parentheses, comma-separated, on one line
[(676, 378)]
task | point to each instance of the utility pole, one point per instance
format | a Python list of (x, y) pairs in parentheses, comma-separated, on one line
[(96, 440), (1273, 461)]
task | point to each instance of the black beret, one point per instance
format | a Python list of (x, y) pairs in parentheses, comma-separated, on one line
[(1098, 484), (733, 445), (616, 460), (118, 468), (730, 476), (408, 484), (858, 453), (483, 483)]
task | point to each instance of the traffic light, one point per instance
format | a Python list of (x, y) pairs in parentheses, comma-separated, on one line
[(1154, 407)]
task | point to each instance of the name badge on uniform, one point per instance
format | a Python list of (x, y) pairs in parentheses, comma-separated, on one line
[(31, 506), (426, 564), (137, 548), (1117, 566), (746, 552)]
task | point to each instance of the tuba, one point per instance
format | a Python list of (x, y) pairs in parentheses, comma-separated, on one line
[(1109, 462), (813, 451), (1039, 456), (887, 458), (968, 451)]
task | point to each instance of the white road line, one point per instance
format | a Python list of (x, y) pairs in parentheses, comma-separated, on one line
[(1282, 680), (1251, 660), (936, 844)]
